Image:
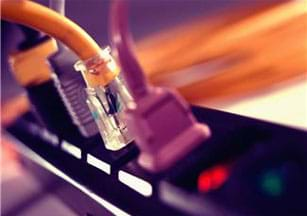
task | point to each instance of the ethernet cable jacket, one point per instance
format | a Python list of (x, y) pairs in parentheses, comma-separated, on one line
[(99, 71)]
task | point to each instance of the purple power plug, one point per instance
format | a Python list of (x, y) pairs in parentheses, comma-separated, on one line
[(164, 127)]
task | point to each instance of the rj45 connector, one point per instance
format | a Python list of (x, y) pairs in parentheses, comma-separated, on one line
[(107, 102)]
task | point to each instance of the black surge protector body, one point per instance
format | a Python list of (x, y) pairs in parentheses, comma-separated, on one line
[(247, 167)]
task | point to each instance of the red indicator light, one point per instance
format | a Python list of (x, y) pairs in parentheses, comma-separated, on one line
[(204, 182), (213, 178)]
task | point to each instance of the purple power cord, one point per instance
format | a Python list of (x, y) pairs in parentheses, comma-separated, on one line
[(164, 127)]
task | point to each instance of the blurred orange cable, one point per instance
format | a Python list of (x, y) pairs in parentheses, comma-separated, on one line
[(50, 22), (261, 49)]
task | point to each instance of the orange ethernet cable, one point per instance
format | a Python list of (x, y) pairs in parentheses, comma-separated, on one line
[(107, 94)]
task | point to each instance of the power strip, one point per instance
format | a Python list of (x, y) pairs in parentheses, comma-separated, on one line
[(247, 167)]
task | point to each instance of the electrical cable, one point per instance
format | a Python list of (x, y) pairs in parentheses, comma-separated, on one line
[(66, 31), (50, 22), (33, 37), (97, 66), (164, 127), (122, 42)]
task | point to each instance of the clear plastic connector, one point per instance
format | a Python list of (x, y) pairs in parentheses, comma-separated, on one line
[(107, 103)]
